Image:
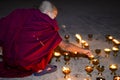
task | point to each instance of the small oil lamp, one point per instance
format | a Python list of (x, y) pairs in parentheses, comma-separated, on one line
[(95, 62), (113, 68), (90, 36), (115, 50), (86, 79), (116, 42), (57, 55), (100, 78), (116, 77), (100, 69), (67, 58), (97, 51), (86, 46), (91, 58), (83, 43), (66, 71), (107, 51), (78, 38), (89, 69), (67, 37), (110, 38)]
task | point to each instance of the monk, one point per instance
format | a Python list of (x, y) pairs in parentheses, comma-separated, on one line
[(28, 38)]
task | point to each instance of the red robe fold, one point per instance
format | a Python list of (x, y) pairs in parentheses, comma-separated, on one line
[(28, 38)]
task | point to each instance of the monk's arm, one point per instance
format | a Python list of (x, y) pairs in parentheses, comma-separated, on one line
[(73, 48)]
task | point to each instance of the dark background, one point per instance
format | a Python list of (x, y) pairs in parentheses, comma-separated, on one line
[(80, 16)]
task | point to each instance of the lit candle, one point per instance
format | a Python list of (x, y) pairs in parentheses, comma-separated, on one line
[(110, 37), (115, 50), (66, 71), (100, 78), (113, 66), (79, 38), (86, 46), (116, 78), (57, 54), (91, 57), (116, 41), (83, 42), (66, 58), (87, 79), (95, 62), (107, 51), (89, 69)]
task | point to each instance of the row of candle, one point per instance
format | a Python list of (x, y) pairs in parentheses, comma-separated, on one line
[(110, 38), (95, 62), (89, 69)]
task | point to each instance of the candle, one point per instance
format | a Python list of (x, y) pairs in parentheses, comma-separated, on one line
[(95, 62), (107, 51), (116, 78), (110, 37), (79, 38), (66, 58), (113, 67), (90, 37), (116, 41), (57, 54), (100, 78), (86, 46), (83, 43), (67, 36), (66, 70), (87, 79), (88, 69), (115, 49), (91, 57)]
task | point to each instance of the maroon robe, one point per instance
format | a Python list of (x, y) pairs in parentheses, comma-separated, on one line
[(28, 38)]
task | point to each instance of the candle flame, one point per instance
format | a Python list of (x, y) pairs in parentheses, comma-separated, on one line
[(78, 37), (116, 41), (113, 66), (110, 37), (115, 48), (57, 54), (107, 49)]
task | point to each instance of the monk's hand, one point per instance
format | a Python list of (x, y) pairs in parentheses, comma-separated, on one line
[(87, 52)]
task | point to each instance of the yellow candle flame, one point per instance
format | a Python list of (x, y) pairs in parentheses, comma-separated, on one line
[(75, 52), (78, 37), (115, 48), (91, 57), (117, 78), (86, 44), (110, 37), (65, 69), (57, 54), (116, 41), (83, 42), (107, 49), (113, 66)]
